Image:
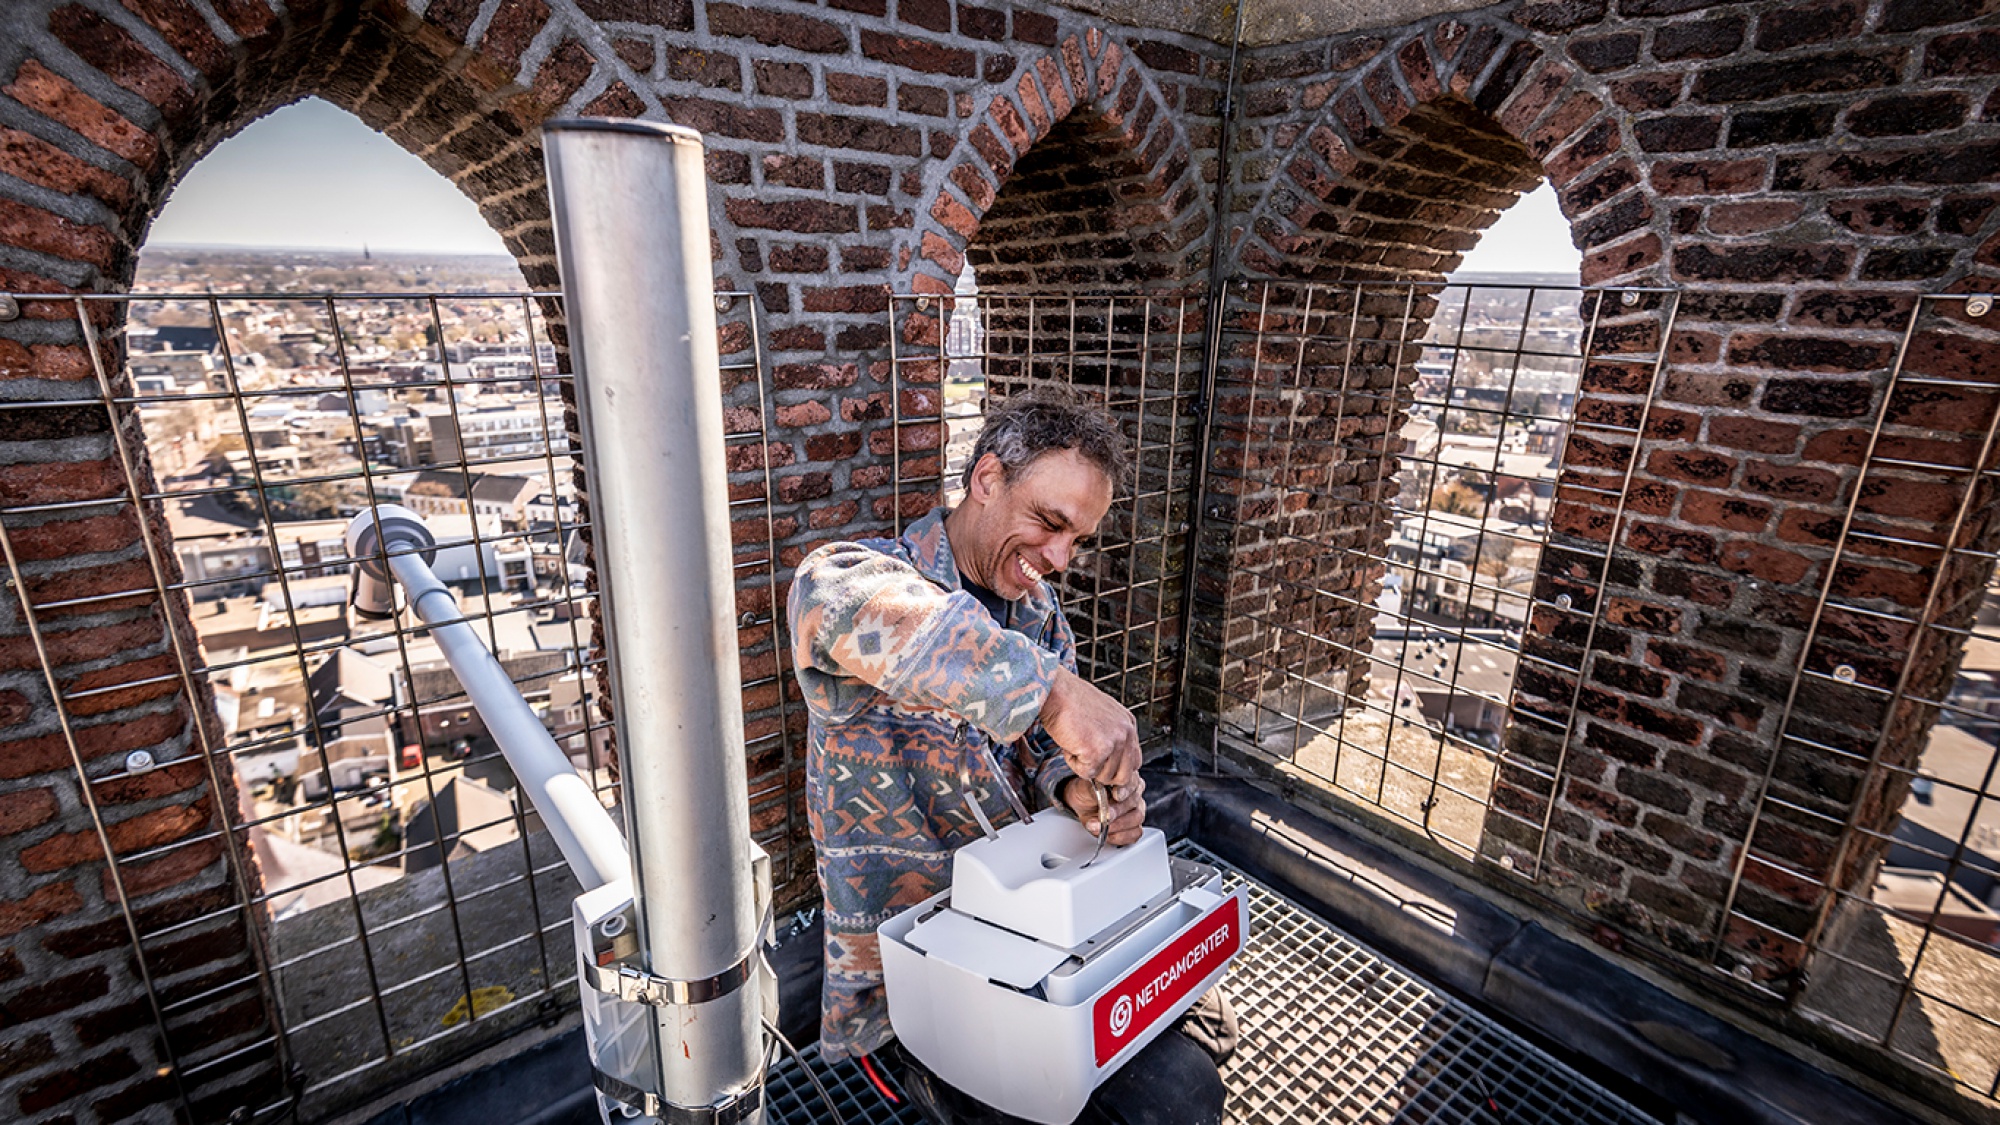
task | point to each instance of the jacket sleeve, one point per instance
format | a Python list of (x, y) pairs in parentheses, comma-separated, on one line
[(1040, 756), (856, 612)]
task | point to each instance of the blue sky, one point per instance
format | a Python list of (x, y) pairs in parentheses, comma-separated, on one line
[(312, 175)]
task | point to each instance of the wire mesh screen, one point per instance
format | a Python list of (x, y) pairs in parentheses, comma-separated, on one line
[(1391, 456), (1900, 913), (397, 902), (1139, 358), (1331, 1031)]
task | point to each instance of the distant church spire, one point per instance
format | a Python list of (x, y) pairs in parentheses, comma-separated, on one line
[(365, 255)]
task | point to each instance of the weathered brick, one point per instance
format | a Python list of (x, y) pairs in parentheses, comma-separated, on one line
[(1831, 73), (1633, 851), (1560, 15), (32, 228), (39, 906), (727, 119), (811, 376), (135, 833), (1752, 263), (1602, 53), (847, 299), (1823, 398), (803, 216), (929, 101), (1034, 27), (924, 55), (1724, 510), (1698, 39), (857, 89), (1671, 542), (1682, 133), (1903, 115), (178, 865), (1753, 218), (23, 809), (514, 26), (40, 162), (562, 73), (1805, 24), (618, 100), (1710, 177), (52, 1090), (865, 134), (1963, 55), (783, 79), (1698, 467), (112, 50), (25, 1052), (778, 28)]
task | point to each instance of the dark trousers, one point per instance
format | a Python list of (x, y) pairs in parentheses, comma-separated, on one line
[(1173, 1080)]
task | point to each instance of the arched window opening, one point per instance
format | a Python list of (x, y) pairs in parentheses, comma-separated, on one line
[(1390, 431), (321, 325), (1079, 276)]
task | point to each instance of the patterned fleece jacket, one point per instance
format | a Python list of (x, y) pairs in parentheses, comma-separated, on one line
[(908, 681)]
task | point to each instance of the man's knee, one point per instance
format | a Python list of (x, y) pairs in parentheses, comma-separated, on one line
[(1173, 1081)]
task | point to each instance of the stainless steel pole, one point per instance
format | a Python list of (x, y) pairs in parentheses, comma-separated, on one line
[(630, 205)]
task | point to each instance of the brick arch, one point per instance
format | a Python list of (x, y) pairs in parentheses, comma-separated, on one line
[(120, 106), (106, 110), (1360, 193), (1086, 116)]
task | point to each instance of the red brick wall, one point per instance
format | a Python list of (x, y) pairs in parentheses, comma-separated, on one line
[(1821, 163), (1803, 173), (852, 152)]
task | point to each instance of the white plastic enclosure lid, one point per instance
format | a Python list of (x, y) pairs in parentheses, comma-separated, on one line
[(985, 951), (1031, 879)]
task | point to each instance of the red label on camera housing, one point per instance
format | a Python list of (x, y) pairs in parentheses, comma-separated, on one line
[(1150, 991)]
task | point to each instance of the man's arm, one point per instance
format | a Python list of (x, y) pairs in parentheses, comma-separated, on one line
[(1097, 734), (859, 613)]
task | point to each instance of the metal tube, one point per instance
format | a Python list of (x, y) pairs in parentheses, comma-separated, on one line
[(632, 241), (587, 836)]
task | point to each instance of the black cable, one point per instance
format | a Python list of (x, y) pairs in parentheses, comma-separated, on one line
[(810, 1076)]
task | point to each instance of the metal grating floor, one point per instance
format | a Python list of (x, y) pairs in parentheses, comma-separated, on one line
[(1331, 1032)]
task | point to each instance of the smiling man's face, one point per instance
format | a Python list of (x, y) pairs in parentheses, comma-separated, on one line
[(1009, 535)]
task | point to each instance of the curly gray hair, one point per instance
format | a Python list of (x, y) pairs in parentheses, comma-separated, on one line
[(1045, 419)]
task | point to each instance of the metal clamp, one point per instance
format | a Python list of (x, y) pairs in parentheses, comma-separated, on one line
[(640, 987), (739, 1106), (610, 966)]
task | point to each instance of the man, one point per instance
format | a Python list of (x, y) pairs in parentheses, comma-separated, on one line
[(930, 660)]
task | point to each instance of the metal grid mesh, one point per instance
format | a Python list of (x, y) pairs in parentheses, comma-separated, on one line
[(792, 1100), (1330, 1032), (394, 899), (1139, 358), (1905, 921), (1379, 655), (372, 975)]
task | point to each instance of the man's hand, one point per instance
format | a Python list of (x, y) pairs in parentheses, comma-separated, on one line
[(1127, 816), (1099, 740)]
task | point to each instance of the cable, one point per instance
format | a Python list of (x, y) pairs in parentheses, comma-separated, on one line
[(810, 1076), (879, 1084)]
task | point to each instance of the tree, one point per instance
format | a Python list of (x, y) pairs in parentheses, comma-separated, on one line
[(1456, 499)]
